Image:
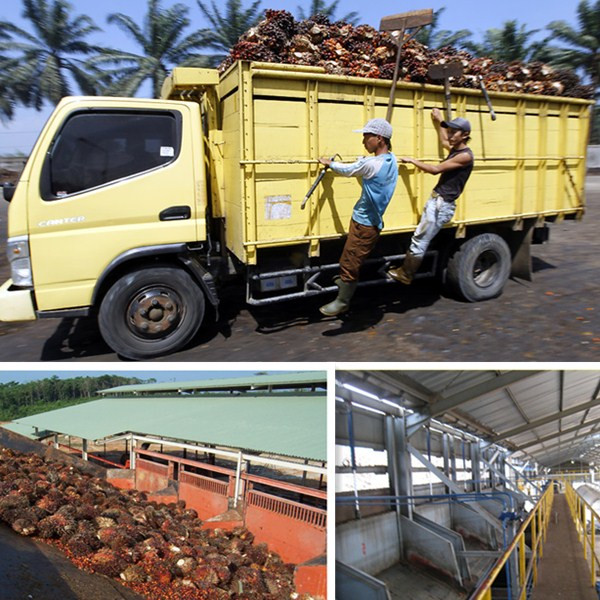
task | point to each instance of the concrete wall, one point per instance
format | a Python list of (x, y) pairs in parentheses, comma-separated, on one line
[(151, 477), (208, 497), (438, 513), (124, 479), (593, 158), (370, 544), (296, 532)]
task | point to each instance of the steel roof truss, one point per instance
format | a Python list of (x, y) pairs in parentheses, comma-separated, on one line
[(557, 434), (545, 420), (455, 489), (546, 451), (521, 473), (507, 482), (415, 421), (447, 403)]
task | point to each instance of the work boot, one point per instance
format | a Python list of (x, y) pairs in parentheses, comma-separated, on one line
[(406, 272), (342, 302)]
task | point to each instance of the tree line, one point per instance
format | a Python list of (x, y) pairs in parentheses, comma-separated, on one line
[(20, 399), (53, 58)]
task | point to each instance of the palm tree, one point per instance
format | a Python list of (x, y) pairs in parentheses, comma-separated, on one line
[(43, 64), (227, 27), (7, 100), (320, 7), (162, 47), (507, 44), (433, 37), (583, 52)]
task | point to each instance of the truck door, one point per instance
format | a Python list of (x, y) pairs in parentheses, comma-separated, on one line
[(114, 180)]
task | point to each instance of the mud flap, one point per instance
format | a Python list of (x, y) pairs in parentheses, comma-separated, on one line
[(519, 243)]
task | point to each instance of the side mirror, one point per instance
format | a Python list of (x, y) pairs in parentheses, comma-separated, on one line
[(8, 191)]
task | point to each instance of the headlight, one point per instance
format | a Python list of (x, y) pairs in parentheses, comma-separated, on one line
[(17, 249)]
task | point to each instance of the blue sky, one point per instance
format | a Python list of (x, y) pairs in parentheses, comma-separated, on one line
[(22, 376), (475, 15)]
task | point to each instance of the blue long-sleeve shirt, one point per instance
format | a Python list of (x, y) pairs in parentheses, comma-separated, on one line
[(379, 176)]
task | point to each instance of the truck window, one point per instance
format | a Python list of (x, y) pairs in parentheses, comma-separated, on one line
[(96, 148)]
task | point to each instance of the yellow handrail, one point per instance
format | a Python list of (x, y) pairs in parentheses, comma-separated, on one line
[(581, 512), (537, 521)]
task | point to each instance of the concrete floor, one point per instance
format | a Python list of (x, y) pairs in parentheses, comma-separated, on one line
[(562, 571), (405, 582)]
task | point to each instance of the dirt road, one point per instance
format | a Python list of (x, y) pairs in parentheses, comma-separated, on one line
[(556, 317)]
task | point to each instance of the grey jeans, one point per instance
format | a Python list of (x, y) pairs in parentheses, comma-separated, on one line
[(436, 214)]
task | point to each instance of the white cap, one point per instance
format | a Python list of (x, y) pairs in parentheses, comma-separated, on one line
[(377, 127)]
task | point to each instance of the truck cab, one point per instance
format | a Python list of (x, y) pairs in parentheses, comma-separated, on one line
[(110, 184)]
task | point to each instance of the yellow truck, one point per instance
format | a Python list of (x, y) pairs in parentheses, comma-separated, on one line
[(135, 211)]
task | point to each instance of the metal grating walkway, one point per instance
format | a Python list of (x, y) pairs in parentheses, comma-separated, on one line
[(562, 571)]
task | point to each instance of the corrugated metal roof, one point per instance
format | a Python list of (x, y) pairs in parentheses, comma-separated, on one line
[(284, 425), (24, 430), (537, 413), (299, 378)]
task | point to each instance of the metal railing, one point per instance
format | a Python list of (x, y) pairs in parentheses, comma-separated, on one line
[(90, 456), (586, 519), (534, 528), (226, 488), (205, 483), (153, 467), (292, 510)]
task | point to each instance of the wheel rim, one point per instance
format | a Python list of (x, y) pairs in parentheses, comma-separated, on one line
[(155, 312), (486, 269)]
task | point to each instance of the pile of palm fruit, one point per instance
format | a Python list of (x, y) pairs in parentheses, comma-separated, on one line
[(362, 51), (160, 551)]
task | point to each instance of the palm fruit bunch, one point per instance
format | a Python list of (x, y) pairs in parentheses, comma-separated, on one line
[(362, 51), (160, 551)]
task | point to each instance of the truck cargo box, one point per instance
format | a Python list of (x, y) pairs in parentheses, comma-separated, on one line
[(273, 121)]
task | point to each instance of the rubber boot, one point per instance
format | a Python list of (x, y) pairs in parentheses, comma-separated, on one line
[(406, 272), (342, 302)]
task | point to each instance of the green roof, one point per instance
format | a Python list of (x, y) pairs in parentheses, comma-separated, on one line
[(25, 430), (301, 378), (285, 425)]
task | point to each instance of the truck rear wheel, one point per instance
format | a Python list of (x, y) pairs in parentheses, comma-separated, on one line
[(480, 267), (151, 312)]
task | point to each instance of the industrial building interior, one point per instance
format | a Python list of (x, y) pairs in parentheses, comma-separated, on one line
[(461, 484)]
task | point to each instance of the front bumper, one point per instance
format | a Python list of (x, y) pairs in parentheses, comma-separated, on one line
[(16, 304)]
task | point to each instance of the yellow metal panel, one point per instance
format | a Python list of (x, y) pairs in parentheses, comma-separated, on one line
[(16, 305), (277, 120), (74, 239), (185, 80)]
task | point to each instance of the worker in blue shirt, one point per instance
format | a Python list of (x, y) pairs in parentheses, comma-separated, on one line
[(379, 175)]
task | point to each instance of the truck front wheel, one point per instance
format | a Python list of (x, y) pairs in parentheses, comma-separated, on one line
[(151, 312), (479, 269)]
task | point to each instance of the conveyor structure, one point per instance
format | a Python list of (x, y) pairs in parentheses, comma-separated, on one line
[(446, 480)]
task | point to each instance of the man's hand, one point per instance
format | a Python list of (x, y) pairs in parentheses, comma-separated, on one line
[(436, 115), (406, 159), (325, 161)]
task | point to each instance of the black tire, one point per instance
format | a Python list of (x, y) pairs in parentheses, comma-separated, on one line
[(479, 269), (151, 312)]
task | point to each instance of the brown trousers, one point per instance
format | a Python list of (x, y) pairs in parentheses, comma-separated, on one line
[(361, 241)]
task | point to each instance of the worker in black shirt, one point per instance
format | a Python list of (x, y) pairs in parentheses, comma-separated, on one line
[(440, 207)]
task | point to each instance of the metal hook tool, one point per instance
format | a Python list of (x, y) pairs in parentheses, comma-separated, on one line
[(313, 187)]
